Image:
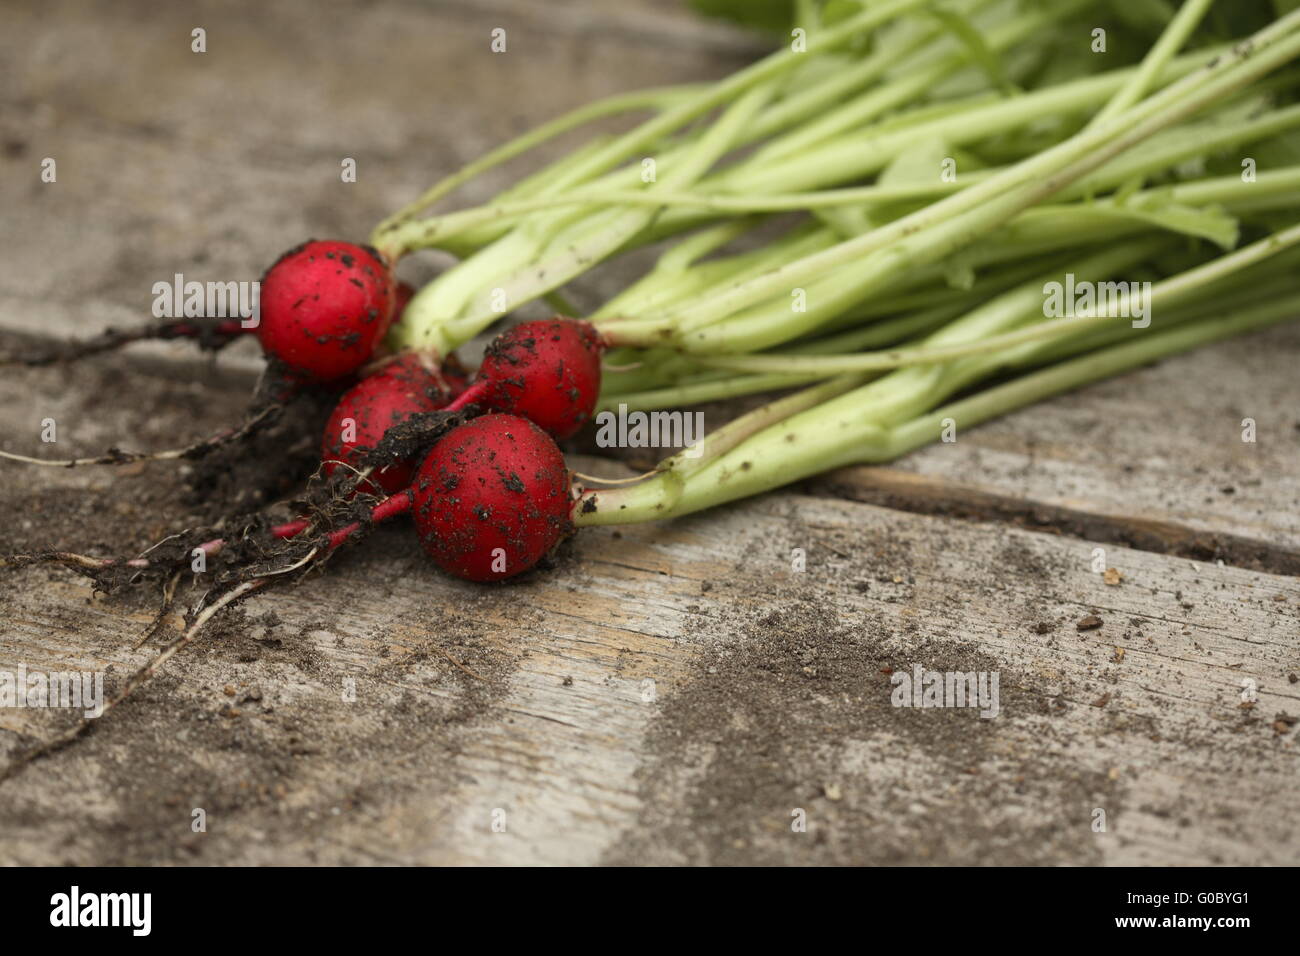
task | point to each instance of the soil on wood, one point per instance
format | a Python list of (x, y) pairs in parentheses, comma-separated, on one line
[(259, 747), (793, 725)]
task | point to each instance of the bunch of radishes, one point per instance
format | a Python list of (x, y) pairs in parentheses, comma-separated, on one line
[(492, 496)]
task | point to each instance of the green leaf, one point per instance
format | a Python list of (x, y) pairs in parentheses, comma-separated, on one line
[(775, 16), (1148, 15), (846, 221), (1209, 222), (837, 10), (1280, 150), (979, 51), (958, 273), (920, 162), (1242, 17)]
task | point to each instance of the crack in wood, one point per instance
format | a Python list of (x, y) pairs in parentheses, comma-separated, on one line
[(921, 494)]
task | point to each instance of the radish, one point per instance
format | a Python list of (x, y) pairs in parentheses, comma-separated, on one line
[(324, 307), (453, 372), (492, 498), (456, 374), (548, 371), (402, 294), (404, 387)]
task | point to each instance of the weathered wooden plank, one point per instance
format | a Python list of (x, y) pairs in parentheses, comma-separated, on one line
[(1161, 445), (768, 696), (589, 770), (171, 161), (665, 694)]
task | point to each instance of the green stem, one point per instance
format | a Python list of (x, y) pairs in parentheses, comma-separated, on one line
[(1089, 368), (428, 233), (722, 440), (832, 301), (946, 224), (1175, 146), (931, 291), (657, 98), (1163, 293), (1171, 41), (675, 274), (906, 88), (420, 328), (1161, 153), (1222, 300), (664, 288), (862, 154), (449, 301), (716, 386), (822, 94), (717, 389), (930, 234), (867, 151), (1271, 279), (837, 434)]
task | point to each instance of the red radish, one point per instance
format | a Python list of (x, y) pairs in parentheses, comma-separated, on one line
[(402, 388), (453, 372), (324, 307), (547, 371), (456, 375), (402, 295), (492, 498)]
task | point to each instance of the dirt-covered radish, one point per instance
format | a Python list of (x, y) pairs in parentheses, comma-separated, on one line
[(324, 307), (457, 376), (403, 293), (492, 498), (453, 372), (404, 387), (548, 371)]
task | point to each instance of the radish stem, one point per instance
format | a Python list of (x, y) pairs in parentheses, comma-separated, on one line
[(835, 434)]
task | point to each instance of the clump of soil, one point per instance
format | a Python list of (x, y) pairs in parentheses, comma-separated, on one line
[(221, 488), (264, 466), (795, 720)]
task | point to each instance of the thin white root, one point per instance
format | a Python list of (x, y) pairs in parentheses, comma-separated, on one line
[(115, 457), (592, 479), (136, 680)]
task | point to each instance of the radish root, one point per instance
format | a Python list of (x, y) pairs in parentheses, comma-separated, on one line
[(210, 335), (136, 680)]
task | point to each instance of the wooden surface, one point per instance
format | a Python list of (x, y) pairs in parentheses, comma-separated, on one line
[(666, 693)]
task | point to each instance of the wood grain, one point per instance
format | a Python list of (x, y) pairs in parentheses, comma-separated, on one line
[(559, 734)]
